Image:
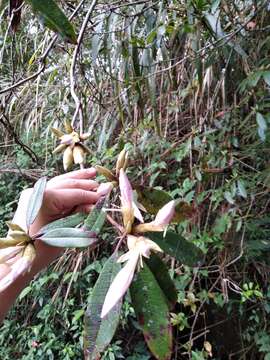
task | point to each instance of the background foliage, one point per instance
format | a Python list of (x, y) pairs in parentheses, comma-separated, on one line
[(186, 85)]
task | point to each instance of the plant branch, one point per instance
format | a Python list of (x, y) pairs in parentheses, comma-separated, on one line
[(42, 59), (7, 125), (75, 97)]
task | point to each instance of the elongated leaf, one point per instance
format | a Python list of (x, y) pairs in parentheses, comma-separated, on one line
[(97, 216), (3, 4), (178, 247), (241, 189), (152, 312), (266, 77), (35, 201), (153, 200), (160, 272), (215, 25), (54, 18), (69, 238), (99, 332), (57, 132), (69, 221)]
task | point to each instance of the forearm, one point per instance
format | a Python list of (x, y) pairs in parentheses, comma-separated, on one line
[(9, 295), (44, 256)]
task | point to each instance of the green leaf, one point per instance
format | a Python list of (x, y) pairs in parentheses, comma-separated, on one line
[(96, 218), (151, 36), (25, 292), (99, 332), (69, 238), (214, 23), (152, 312), (178, 247), (54, 18), (35, 201), (160, 271), (266, 77), (241, 189), (228, 197), (69, 221), (262, 125), (261, 121), (153, 200)]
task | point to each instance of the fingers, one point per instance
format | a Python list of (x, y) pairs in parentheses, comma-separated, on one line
[(78, 174), (83, 209), (73, 184), (69, 198)]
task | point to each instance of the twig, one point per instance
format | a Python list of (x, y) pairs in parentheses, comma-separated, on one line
[(73, 66), (79, 260), (6, 123), (42, 59), (198, 312), (120, 228)]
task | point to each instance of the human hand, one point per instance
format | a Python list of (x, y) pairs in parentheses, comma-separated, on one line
[(72, 192), (65, 194)]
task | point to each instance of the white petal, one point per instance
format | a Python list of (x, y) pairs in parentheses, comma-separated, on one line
[(154, 246), (8, 253), (137, 212), (131, 241), (14, 259), (4, 270), (17, 269), (125, 257), (120, 285)]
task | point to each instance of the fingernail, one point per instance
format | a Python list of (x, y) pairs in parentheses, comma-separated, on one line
[(93, 185), (91, 171), (104, 188)]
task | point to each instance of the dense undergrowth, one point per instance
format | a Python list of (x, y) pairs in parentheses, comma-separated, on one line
[(185, 85)]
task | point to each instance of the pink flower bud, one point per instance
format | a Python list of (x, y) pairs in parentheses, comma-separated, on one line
[(125, 190), (165, 214), (162, 219), (105, 188), (120, 284), (126, 200), (138, 247)]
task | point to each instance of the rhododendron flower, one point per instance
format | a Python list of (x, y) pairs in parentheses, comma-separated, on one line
[(15, 265), (139, 247), (129, 208), (122, 161), (72, 145), (161, 221)]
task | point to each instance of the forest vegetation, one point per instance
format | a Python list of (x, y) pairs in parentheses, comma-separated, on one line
[(183, 88)]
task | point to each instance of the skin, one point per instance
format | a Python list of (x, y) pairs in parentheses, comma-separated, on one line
[(65, 194)]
